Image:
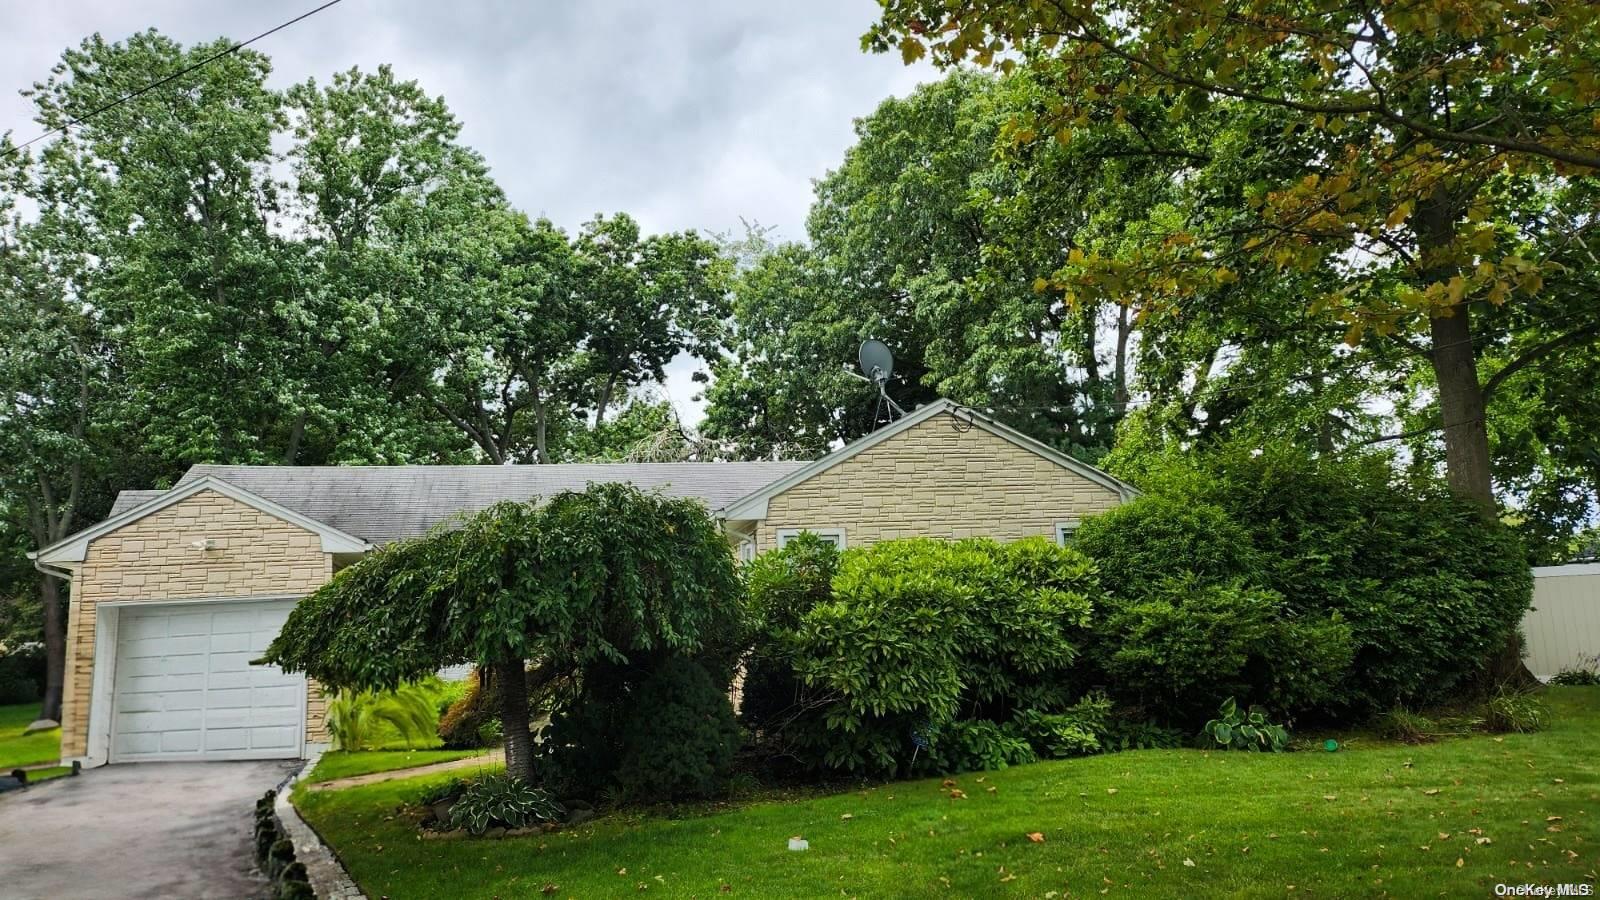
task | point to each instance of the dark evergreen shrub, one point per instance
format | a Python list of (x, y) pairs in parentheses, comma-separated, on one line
[(679, 741)]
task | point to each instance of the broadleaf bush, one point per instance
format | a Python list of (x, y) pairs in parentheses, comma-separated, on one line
[(504, 802)]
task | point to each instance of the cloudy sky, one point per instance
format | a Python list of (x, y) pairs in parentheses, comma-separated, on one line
[(688, 114)]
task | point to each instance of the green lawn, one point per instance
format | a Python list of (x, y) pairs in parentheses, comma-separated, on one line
[(17, 749), (342, 764), (1449, 819)]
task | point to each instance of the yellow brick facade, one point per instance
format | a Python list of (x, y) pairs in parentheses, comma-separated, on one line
[(154, 559), (940, 478)]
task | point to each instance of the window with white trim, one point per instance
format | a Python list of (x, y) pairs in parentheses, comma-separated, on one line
[(834, 536), (1065, 531), (747, 550)]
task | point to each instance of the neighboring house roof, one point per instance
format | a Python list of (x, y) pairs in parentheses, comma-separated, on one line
[(754, 504), (387, 503), (73, 549)]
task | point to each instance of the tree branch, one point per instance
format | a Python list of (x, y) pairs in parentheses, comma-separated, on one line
[(1536, 353)]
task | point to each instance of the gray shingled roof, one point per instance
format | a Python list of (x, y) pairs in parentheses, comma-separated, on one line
[(385, 503)]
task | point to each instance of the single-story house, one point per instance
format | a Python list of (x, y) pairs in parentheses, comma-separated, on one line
[(177, 590)]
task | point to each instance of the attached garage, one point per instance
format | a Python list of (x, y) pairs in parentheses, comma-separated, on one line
[(184, 688)]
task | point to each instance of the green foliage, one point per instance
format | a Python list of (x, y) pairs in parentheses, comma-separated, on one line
[(22, 673), (1135, 545), (606, 580), (978, 745), (504, 802), (1586, 672), (411, 711), (781, 587), (1146, 735), (1515, 710), (465, 723), (1236, 729), (919, 635), (1364, 594), (1078, 730), (679, 740), (1400, 724)]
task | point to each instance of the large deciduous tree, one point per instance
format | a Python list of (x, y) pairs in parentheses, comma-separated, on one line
[(583, 579), (1419, 133)]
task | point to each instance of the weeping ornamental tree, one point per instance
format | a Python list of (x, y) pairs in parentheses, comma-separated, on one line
[(598, 576)]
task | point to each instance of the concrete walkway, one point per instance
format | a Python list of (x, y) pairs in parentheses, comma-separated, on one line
[(492, 758), (170, 830)]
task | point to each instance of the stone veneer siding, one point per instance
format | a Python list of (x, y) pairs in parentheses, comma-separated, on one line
[(152, 559), (940, 478)]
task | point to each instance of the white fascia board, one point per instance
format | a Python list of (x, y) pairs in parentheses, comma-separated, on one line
[(75, 548)]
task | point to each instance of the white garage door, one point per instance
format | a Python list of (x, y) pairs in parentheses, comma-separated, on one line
[(185, 688)]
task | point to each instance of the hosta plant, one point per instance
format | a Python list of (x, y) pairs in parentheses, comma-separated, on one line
[(1236, 729), (502, 801)]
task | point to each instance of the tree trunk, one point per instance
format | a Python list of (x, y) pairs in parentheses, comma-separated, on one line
[(513, 684), (1466, 434), (55, 646)]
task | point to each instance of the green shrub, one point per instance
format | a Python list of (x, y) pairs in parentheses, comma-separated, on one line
[(355, 718), (1077, 731), (1400, 724), (781, 587), (680, 740), (22, 674), (1515, 711), (1235, 729), (1428, 589), (976, 745), (1138, 545), (1190, 640), (1586, 672), (1142, 735), (502, 801), (917, 635), (465, 724)]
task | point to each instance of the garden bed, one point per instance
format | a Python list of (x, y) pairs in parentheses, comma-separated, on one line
[(1455, 817)]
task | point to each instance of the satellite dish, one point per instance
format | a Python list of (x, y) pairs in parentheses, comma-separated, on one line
[(877, 362)]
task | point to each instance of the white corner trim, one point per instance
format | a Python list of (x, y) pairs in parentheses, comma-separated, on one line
[(754, 504), (76, 547), (786, 534)]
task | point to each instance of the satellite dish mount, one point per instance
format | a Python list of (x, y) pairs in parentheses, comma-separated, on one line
[(877, 366)]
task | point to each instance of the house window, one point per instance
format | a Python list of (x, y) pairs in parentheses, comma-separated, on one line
[(834, 536), (747, 550), (1065, 531)]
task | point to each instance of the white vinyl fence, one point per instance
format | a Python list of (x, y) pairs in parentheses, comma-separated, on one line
[(1564, 623)]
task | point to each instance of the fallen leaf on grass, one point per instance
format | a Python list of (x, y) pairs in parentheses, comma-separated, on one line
[(1330, 796), (1188, 862), (1111, 790), (847, 817), (992, 789), (1431, 792), (1036, 836), (1460, 862), (550, 888), (623, 870), (957, 794)]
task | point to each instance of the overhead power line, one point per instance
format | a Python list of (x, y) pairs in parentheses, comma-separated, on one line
[(170, 78)]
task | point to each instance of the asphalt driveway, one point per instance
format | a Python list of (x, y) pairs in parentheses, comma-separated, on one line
[(137, 830)]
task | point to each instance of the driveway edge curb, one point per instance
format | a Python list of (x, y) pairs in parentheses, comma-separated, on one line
[(323, 869)]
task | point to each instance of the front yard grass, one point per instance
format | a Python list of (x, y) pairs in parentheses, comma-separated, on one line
[(1450, 819), (18, 749), (344, 764)]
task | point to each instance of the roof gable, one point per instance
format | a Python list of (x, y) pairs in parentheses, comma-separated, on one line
[(754, 504), (75, 548)]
